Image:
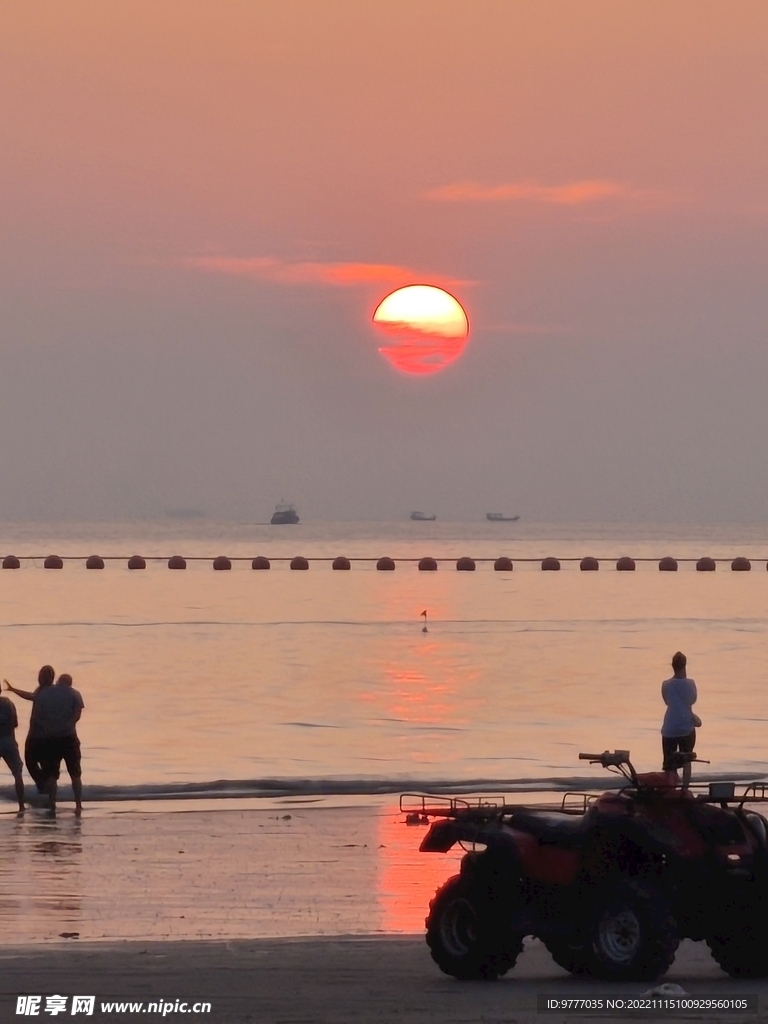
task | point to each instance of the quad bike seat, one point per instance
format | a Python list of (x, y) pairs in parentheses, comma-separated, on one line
[(556, 827)]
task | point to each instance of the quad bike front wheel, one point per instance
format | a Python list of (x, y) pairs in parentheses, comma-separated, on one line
[(740, 944), (466, 934), (629, 935)]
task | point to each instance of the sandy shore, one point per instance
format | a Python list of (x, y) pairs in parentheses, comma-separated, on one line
[(186, 873), (284, 914), (324, 981)]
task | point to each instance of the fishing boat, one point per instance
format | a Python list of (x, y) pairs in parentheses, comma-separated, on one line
[(285, 514), (499, 517), (423, 517)]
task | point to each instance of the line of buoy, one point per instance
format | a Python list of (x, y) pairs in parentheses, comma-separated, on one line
[(384, 564)]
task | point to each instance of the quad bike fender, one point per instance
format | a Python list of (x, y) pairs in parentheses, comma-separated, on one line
[(545, 862), (443, 835)]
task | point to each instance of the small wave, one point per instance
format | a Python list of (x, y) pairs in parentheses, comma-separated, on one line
[(335, 786)]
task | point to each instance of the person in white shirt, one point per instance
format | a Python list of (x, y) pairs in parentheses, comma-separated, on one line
[(678, 731)]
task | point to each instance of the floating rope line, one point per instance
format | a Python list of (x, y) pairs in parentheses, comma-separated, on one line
[(425, 564), (369, 558)]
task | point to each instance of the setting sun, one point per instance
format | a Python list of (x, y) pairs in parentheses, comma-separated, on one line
[(427, 327)]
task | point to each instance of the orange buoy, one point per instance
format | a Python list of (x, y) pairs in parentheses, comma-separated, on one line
[(136, 562), (550, 564), (11, 562), (625, 564), (465, 564), (385, 564), (260, 562), (741, 564), (341, 563), (177, 562), (589, 564), (427, 565), (503, 564), (222, 562), (53, 562), (706, 565), (668, 564), (299, 563)]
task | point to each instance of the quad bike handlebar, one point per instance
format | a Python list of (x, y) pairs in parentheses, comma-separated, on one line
[(608, 758), (619, 760)]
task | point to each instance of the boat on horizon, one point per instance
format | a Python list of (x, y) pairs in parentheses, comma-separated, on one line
[(284, 515), (499, 517), (423, 517)]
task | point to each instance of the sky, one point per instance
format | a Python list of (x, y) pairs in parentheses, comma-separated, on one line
[(203, 201)]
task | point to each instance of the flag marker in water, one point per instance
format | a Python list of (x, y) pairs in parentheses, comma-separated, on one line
[(424, 613)]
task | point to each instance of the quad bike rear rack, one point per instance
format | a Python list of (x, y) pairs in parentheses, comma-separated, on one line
[(420, 807)]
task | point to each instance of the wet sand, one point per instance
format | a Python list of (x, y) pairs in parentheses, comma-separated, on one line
[(282, 913), (327, 981), (180, 872)]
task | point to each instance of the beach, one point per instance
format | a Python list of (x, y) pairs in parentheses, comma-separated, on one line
[(246, 736), (278, 914)]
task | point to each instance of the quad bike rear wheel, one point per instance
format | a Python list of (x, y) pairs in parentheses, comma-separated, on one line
[(629, 935), (466, 934)]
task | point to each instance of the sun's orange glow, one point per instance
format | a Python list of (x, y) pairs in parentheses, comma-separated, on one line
[(427, 327)]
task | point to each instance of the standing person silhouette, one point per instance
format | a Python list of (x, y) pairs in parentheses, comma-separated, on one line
[(45, 678), (58, 709), (678, 731), (9, 750)]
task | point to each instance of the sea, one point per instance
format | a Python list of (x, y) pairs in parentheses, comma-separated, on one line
[(244, 683)]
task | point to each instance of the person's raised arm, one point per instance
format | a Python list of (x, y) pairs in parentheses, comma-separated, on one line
[(26, 694)]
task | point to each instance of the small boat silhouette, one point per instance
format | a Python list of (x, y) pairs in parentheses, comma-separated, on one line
[(499, 517), (284, 514), (423, 517)]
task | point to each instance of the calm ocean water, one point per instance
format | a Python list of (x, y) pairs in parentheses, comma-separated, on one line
[(198, 676)]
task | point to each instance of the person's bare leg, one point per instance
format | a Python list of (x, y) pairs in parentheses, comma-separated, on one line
[(19, 783), (52, 787), (77, 789)]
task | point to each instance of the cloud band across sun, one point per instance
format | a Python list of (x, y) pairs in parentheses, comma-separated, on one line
[(324, 274)]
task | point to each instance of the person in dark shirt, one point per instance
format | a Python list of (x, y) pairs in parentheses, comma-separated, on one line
[(45, 678), (56, 711), (9, 748)]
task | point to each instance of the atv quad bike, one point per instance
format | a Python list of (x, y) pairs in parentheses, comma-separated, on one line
[(610, 884)]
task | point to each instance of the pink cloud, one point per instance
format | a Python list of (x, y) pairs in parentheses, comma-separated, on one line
[(333, 275), (572, 193)]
